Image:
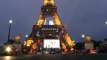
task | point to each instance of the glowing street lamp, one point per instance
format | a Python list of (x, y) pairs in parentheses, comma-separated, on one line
[(73, 41), (106, 22), (8, 49), (26, 36), (10, 22), (83, 36)]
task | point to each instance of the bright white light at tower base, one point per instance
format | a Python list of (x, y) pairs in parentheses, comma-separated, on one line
[(51, 23), (51, 43), (10, 21)]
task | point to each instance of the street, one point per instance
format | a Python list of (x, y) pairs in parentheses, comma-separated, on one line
[(56, 57)]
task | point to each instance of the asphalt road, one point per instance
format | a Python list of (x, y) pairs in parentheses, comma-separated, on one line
[(56, 57)]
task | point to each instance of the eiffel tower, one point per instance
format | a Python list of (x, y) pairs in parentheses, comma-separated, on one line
[(48, 32)]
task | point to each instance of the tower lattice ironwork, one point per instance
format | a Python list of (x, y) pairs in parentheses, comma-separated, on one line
[(50, 27)]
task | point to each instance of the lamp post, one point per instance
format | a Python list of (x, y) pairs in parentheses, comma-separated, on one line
[(26, 39), (83, 36), (10, 22)]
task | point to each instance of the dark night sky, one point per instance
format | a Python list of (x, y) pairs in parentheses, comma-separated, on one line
[(79, 16)]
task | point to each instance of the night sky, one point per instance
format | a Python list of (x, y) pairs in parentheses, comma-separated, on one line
[(79, 17)]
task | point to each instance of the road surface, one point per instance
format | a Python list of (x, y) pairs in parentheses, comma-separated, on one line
[(56, 57)]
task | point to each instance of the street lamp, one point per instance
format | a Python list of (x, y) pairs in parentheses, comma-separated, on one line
[(8, 49), (83, 36), (106, 22), (26, 36), (10, 22)]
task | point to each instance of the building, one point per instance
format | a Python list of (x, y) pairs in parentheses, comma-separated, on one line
[(48, 34), (15, 45), (88, 42)]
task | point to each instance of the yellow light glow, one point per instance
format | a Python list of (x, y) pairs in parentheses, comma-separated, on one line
[(68, 40), (88, 38), (64, 47), (33, 48), (29, 42), (24, 43), (57, 19), (8, 49), (72, 49), (49, 2), (17, 38), (40, 20), (7, 58)]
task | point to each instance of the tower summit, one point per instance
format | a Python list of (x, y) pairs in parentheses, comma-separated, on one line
[(48, 14), (48, 34), (52, 2)]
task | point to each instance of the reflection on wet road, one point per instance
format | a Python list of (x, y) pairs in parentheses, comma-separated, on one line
[(56, 57), (6, 58)]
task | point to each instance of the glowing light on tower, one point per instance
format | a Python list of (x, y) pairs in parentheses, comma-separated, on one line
[(29, 42), (49, 2)]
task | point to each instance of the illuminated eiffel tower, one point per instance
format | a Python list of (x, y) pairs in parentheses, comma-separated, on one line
[(48, 32)]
